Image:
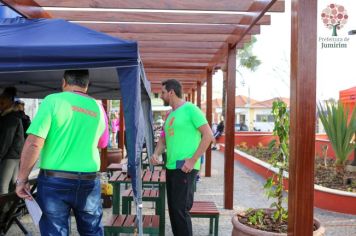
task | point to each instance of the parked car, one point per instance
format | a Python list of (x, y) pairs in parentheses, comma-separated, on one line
[(241, 127)]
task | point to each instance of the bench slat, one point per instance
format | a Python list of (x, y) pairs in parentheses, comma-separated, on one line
[(155, 176), (163, 176), (114, 167), (207, 208), (130, 221), (119, 220), (155, 221), (147, 221), (147, 176)]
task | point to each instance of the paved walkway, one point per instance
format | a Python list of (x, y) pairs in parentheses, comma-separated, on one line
[(248, 193)]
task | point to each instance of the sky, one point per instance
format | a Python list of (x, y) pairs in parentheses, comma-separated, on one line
[(334, 65)]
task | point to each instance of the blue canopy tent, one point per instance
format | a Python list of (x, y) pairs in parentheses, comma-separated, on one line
[(35, 53)]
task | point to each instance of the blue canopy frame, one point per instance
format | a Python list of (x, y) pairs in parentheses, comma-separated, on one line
[(35, 53)]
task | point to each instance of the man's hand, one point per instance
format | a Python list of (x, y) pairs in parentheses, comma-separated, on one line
[(154, 159), (188, 165), (22, 190)]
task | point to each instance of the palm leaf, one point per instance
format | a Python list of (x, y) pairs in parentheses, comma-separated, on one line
[(338, 128)]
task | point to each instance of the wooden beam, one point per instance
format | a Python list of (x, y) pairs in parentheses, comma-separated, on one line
[(193, 96), (199, 94), (185, 83), (209, 111), (302, 120), (179, 44), (177, 55), (183, 77), (195, 5), (157, 88), (27, 8), (176, 65), (264, 6), (230, 130), (154, 17), (174, 37), (166, 28), (177, 71), (175, 59), (121, 129), (178, 50)]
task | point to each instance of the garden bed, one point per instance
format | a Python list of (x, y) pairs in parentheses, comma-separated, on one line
[(324, 197), (324, 175)]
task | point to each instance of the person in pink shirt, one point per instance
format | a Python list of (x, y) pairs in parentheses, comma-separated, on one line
[(115, 127)]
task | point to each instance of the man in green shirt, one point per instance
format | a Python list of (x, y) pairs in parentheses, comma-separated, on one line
[(186, 136), (67, 131)]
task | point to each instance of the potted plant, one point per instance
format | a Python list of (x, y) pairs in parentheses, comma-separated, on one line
[(340, 131), (273, 220)]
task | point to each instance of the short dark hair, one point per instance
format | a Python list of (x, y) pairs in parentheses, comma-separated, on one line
[(173, 84), (9, 93), (77, 77)]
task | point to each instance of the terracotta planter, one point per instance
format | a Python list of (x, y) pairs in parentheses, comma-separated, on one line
[(114, 156), (240, 229)]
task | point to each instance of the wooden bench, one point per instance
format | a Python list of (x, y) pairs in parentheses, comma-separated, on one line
[(208, 210), (148, 195), (117, 224), (113, 167)]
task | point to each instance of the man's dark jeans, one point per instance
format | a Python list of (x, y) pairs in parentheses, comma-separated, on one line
[(180, 196), (57, 196)]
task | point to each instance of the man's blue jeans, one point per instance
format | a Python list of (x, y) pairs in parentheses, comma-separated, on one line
[(57, 196)]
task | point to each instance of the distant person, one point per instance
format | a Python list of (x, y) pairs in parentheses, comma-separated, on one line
[(186, 136), (219, 131), (67, 131), (26, 121), (11, 140), (115, 126)]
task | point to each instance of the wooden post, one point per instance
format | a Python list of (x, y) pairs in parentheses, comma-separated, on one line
[(230, 129), (209, 95), (199, 94), (189, 97), (104, 151), (302, 120), (193, 96), (121, 131)]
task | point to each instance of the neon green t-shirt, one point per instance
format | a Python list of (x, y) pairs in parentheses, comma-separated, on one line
[(182, 134), (71, 125)]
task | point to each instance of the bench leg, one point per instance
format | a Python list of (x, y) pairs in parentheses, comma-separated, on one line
[(125, 206), (116, 199), (211, 224), (162, 204), (216, 230), (23, 229)]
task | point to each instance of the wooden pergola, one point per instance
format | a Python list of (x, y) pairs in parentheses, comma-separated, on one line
[(189, 40)]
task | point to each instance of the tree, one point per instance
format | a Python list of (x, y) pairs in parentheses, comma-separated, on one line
[(246, 60), (334, 17)]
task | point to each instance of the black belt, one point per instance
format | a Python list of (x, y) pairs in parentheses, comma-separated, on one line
[(70, 175)]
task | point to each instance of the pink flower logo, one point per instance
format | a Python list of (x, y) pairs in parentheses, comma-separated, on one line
[(334, 17)]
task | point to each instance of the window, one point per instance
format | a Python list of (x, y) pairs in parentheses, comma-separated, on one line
[(264, 118)]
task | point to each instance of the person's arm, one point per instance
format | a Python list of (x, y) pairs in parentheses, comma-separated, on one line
[(29, 156), (207, 138), (161, 145)]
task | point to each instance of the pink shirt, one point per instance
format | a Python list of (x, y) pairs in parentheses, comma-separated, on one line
[(115, 125)]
